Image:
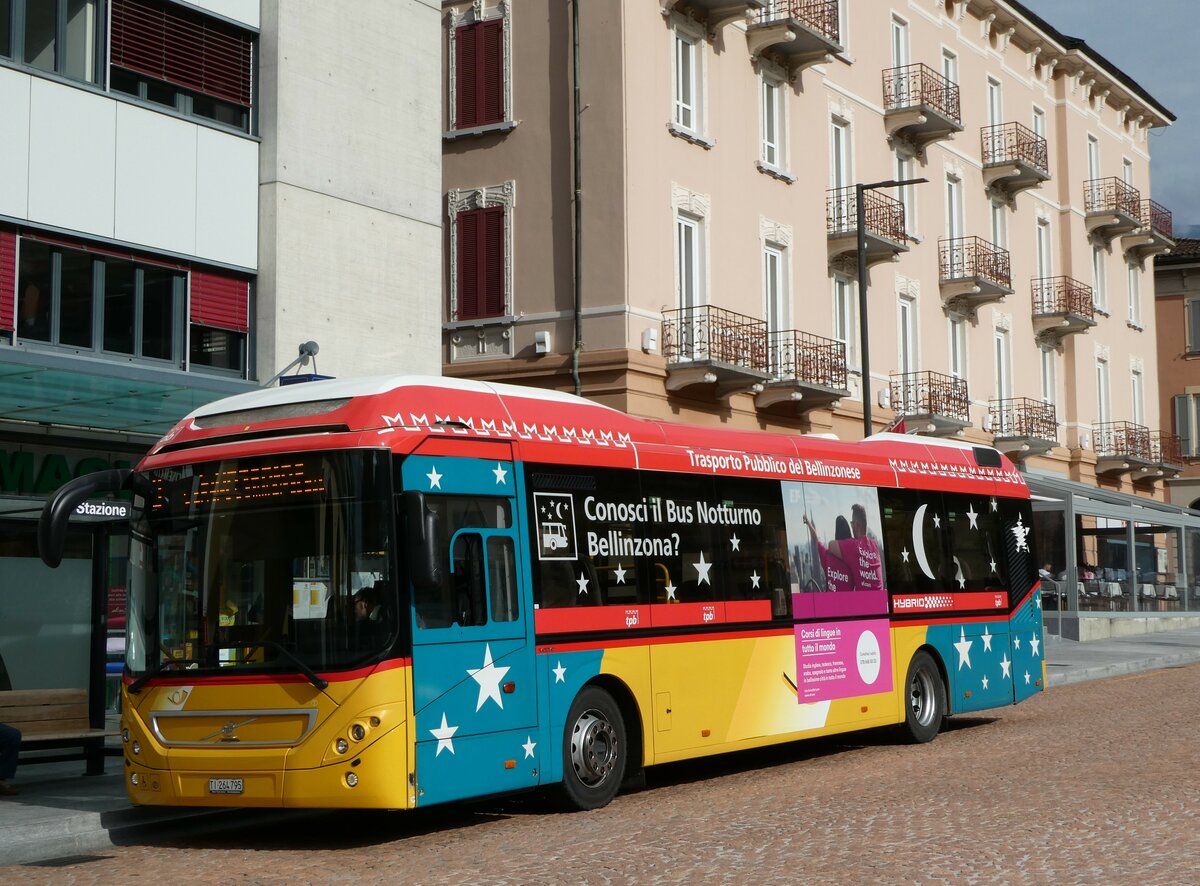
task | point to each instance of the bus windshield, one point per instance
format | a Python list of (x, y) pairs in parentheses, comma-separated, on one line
[(273, 563)]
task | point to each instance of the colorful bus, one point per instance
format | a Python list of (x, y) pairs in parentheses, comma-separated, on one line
[(396, 592)]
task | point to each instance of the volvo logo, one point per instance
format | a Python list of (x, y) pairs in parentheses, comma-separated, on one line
[(228, 732)]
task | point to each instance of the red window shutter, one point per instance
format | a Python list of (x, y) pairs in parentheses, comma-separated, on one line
[(8, 279), (220, 300), (466, 104), (182, 47), (490, 74), (480, 263), (493, 262)]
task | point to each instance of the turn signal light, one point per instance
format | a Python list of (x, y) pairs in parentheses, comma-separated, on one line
[(352, 779), (357, 732)]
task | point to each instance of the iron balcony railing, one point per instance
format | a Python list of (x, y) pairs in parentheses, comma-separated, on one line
[(1012, 142), (1111, 195), (1157, 218), (1166, 449), (1121, 439), (811, 359), (883, 215), (710, 334), (912, 86), (1062, 295), (816, 15), (930, 393), (969, 257), (1023, 417)]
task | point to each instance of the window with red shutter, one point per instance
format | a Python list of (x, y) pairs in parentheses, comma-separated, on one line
[(175, 56), (8, 278), (480, 248), (479, 74)]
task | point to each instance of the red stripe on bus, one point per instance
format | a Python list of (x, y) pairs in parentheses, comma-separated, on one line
[(950, 602), (585, 645), (177, 679), (656, 615)]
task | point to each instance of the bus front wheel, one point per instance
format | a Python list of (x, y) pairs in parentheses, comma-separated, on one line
[(594, 750), (925, 700)]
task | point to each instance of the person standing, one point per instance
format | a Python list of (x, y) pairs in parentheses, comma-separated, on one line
[(10, 747)]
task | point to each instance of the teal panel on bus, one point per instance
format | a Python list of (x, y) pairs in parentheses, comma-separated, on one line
[(978, 662)]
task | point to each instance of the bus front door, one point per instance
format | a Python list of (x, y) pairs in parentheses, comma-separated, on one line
[(474, 688)]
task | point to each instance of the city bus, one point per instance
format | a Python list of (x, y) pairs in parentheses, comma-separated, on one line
[(396, 592)]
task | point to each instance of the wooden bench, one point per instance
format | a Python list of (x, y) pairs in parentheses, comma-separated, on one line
[(55, 718)]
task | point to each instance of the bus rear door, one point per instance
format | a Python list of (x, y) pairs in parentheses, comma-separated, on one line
[(474, 688)]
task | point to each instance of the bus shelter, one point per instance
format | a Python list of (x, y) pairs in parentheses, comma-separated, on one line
[(1113, 563)]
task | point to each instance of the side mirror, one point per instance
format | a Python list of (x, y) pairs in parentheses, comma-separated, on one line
[(52, 527), (420, 540)]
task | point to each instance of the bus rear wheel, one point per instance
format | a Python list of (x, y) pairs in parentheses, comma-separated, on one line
[(924, 700), (594, 751)]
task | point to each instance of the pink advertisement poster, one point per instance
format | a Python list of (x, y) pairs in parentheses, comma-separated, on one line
[(842, 659)]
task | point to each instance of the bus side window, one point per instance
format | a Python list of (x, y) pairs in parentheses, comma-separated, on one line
[(502, 579), (470, 606)]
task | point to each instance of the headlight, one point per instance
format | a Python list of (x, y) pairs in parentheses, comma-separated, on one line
[(137, 748), (342, 745), (357, 732), (352, 779)]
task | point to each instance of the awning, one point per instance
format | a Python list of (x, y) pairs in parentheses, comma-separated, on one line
[(1091, 500)]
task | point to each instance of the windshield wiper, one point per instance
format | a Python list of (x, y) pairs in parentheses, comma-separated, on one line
[(136, 686), (313, 677), (171, 663)]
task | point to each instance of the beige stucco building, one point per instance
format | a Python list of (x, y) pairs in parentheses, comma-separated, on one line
[(718, 146), (1177, 310)]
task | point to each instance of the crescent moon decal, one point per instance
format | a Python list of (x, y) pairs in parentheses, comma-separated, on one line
[(919, 540)]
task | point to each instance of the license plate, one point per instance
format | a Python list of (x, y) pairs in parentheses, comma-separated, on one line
[(225, 786)]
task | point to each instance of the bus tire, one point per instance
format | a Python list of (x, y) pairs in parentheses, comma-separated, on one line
[(924, 700), (594, 750)]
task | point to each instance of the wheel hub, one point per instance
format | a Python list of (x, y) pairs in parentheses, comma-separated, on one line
[(593, 747)]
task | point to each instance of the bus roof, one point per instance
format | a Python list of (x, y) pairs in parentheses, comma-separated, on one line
[(414, 413)]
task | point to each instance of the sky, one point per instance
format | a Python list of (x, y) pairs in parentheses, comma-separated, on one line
[(1155, 43)]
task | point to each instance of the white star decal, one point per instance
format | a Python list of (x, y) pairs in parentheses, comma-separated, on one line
[(1020, 533), (583, 582), (1034, 643), (958, 575), (1027, 678), (937, 522), (1016, 642), (488, 677), (670, 589), (501, 474), (992, 564), (445, 736), (755, 578), (987, 640), (560, 673), (735, 542), (985, 681), (619, 572), (994, 505), (964, 649), (972, 517), (1037, 600), (1005, 664), (702, 571), (435, 479), (529, 745), (904, 555)]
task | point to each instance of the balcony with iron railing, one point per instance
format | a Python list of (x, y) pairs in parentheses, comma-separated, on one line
[(1015, 159), (884, 231), (1122, 447), (1062, 306), (972, 272), (707, 345), (920, 106), (716, 13), (931, 402), (1111, 207), (807, 370), (1166, 453), (1154, 236), (800, 32), (1023, 427)]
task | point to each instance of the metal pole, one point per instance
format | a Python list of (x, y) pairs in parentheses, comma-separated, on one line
[(577, 143), (862, 308)]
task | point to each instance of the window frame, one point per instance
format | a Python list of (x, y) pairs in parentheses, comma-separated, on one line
[(844, 307), (1133, 288), (685, 33), (458, 202), (478, 13), (17, 32)]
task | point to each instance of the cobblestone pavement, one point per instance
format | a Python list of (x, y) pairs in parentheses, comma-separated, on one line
[(1092, 783)]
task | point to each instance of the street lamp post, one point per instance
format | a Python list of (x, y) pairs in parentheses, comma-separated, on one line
[(859, 212)]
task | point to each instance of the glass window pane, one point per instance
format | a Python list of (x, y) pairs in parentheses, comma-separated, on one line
[(120, 287), (5, 30), (39, 35), (79, 59), (502, 579), (218, 348), (75, 310), (36, 284), (158, 316)]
